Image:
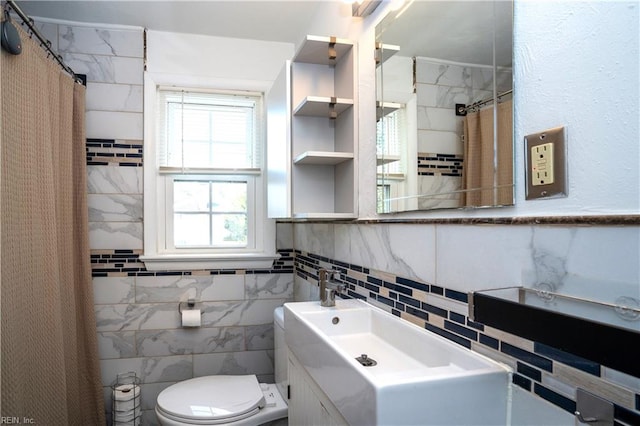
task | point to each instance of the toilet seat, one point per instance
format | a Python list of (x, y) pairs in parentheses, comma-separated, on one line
[(212, 400)]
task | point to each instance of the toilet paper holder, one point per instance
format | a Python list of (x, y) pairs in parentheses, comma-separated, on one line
[(191, 304), (126, 400)]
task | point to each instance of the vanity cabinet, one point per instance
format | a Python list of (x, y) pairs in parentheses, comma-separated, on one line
[(308, 405), (312, 133)]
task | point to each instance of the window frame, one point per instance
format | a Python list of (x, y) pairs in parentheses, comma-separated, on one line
[(157, 203), (167, 237)]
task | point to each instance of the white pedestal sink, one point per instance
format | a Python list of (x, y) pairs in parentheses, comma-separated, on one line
[(420, 378)]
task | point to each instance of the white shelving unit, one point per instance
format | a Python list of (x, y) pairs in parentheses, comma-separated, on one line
[(312, 133)]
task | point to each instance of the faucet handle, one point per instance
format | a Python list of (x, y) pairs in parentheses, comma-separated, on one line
[(328, 274), (328, 286), (332, 274)]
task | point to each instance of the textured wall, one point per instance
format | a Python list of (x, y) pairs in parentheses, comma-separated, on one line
[(580, 70)]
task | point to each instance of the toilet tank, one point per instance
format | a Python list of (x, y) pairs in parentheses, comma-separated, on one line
[(281, 353)]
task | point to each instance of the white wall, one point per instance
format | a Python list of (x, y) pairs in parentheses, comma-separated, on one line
[(580, 70), (216, 61)]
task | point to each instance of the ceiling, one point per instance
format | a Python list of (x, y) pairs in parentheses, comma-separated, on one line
[(467, 26), (282, 21)]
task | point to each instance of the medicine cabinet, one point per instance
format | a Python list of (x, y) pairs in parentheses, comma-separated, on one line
[(444, 117)]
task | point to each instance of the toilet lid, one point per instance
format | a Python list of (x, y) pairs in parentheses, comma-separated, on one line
[(212, 398)]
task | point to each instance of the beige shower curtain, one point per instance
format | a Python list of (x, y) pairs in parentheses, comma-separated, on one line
[(479, 171), (50, 370)]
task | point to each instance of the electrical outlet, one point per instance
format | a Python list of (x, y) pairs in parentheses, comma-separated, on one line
[(542, 164), (545, 164)]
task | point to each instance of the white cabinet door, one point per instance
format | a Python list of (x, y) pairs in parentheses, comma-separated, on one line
[(308, 405)]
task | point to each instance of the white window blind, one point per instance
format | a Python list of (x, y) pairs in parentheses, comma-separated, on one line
[(391, 138), (199, 131)]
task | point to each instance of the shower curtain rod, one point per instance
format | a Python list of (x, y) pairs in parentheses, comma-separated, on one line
[(462, 109), (44, 42)]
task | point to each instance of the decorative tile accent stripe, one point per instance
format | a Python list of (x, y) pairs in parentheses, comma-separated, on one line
[(555, 398), (521, 381), (126, 263), (104, 152), (439, 164), (418, 302), (526, 356), (568, 359), (530, 372)]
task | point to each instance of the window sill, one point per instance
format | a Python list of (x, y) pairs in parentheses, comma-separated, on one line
[(187, 262)]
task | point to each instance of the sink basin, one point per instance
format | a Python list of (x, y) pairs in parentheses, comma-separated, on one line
[(418, 378)]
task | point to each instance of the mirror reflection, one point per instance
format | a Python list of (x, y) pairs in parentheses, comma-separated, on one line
[(444, 116)]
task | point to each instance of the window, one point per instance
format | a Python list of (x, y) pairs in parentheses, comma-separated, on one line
[(391, 141), (204, 196), (209, 212), (392, 161)]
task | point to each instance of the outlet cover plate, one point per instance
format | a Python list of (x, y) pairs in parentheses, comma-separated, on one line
[(558, 188)]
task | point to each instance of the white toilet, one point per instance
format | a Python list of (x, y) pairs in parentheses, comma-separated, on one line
[(232, 400)]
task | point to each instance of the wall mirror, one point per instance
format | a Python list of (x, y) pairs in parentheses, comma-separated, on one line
[(444, 116)]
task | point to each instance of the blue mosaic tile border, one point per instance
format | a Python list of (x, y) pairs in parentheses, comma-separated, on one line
[(104, 152), (417, 302), (112, 263)]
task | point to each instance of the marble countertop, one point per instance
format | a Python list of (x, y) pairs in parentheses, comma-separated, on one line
[(596, 220)]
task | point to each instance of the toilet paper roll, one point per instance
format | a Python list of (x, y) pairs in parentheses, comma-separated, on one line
[(127, 418), (132, 422), (126, 399), (191, 318)]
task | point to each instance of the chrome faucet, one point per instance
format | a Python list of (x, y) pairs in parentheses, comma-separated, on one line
[(328, 287)]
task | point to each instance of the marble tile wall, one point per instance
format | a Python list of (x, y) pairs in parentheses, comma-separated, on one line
[(422, 274), (441, 175), (439, 86), (139, 327)]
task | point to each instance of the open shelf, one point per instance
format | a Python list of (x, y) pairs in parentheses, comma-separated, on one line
[(381, 160), (320, 106), (391, 176), (385, 51), (323, 158), (315, 50), (324, 215), (386, 108)]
